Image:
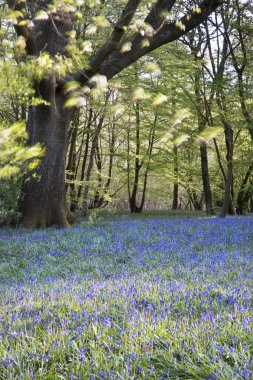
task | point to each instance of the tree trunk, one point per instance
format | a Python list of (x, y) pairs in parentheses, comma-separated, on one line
[(206, 180), (202, 119), (251, 203), (90, 165), (137, 165), (85, 155), (229, 156), (71, 165), (197, 204), (102, 191), (230, 204), (229, 135), (244, 194), (98, 194), (44, 203), (175, 186)]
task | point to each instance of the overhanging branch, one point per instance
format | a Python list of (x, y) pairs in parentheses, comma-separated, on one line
[(166, 33), (116, 36)]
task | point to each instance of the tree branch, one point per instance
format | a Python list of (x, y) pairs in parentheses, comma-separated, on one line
[(115, 38), (110, 61), (168, 32)]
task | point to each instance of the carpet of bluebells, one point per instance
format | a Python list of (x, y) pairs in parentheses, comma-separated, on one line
[(164, 298)]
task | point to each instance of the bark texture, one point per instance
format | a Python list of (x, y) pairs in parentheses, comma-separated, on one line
[(44, 203)]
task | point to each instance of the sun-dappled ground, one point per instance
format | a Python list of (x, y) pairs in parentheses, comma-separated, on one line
[(158, 298)]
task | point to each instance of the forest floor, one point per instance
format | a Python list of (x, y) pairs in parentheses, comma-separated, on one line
[(122, 297)]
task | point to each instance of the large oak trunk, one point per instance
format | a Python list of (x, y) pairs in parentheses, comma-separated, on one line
[(44, 202)]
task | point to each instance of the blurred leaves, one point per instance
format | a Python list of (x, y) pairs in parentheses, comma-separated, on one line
[(15, 156), (209, 133)]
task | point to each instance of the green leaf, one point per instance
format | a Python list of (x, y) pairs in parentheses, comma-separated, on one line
[(180, 25), (181, 139), (126, 47), (71, 102), (41, 15), (209, 133), (159, 99)]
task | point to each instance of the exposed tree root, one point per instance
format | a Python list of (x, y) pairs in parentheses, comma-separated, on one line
[(60, 217)]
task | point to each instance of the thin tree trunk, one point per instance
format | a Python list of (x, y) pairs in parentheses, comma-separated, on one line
[(219, 160), (251, 202), (134, 207), (71, 165), (74, 200), (193, 198), (85, 153), (149, 153), (228, 130), (229, 138), (239, 63), (229, 135), (175, 185), (203, 147), (98, 160), (100, 198), (137, 166), (243, 194), (108, 182), (197, 204), (206, 180), (90, 165), (230, 205)]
